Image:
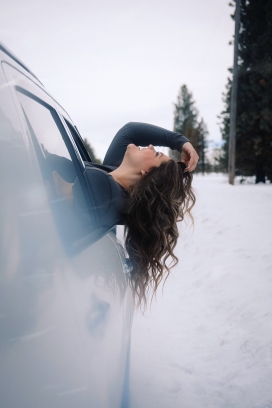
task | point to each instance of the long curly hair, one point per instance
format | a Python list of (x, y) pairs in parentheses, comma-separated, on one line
[(159, 201)]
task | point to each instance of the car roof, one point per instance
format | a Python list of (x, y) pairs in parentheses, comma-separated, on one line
[(13, 56)]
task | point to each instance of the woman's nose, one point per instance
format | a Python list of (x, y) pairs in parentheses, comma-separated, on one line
[(151, 147)]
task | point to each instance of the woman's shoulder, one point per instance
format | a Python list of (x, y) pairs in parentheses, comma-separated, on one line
[(108, 196), (99, 179)]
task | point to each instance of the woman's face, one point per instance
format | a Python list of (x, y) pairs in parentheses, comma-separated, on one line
[(144, 158)]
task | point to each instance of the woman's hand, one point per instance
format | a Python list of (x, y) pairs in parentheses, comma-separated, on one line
[(63, 188), (189, 156)]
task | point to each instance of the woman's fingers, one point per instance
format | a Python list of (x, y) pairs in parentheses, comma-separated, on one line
[(189, 156)]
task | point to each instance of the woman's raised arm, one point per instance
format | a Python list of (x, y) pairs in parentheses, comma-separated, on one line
[(141, 134)]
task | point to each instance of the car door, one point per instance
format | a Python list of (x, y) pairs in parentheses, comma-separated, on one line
[(66, 307)]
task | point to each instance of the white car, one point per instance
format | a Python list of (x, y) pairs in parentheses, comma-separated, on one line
[(65, 304)]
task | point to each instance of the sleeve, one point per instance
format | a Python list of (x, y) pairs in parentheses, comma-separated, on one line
[(141, 134)]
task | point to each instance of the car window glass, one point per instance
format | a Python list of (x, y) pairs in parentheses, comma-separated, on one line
[(44, 126), (58, 171)]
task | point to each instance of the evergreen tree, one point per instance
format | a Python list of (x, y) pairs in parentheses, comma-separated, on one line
[(185, 116), (91, 152), (254, 94), (186, 123), (254, 114)]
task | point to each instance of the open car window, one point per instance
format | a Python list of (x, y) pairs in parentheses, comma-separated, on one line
[(58, 166)]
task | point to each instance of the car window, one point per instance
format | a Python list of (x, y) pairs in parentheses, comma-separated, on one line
[(44, 126), (58, 168)]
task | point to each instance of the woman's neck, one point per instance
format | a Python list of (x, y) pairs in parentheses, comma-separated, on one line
[(124, 177)]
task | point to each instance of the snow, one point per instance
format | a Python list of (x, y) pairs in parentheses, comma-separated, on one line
[(207, 340)]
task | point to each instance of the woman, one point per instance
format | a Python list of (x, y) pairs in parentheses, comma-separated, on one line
[(147, 192)]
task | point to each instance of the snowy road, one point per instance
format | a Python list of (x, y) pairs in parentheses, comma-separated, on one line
[(207, 341)]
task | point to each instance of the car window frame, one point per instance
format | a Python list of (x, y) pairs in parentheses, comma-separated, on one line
[(85, 155), (67, 138)]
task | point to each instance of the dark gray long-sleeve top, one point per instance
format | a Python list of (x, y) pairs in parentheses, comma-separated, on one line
[(109, 199)]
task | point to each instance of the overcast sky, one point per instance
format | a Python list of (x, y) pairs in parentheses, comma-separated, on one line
[(110, 62)]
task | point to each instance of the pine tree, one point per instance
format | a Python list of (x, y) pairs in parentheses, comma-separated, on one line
[(91, 151), (254, 113), (254, 94), (185, 116), (186, 123)]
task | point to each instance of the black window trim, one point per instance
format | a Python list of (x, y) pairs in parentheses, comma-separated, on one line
[(72, 140), (78, 141)]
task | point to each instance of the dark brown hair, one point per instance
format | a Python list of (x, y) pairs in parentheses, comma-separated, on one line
[(158, 201)]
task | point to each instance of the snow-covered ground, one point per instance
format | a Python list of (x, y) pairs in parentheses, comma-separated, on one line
[(207, 341)]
